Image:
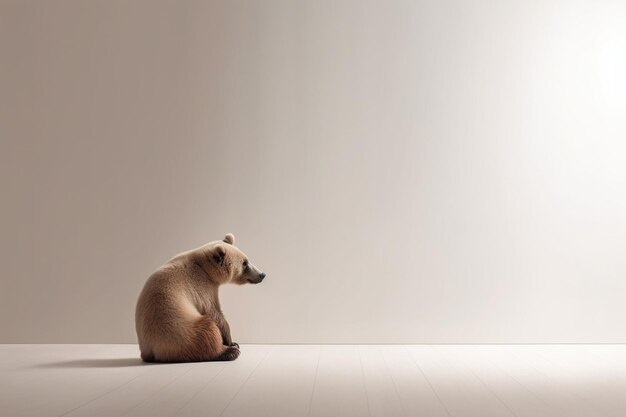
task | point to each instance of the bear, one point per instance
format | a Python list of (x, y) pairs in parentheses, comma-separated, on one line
[(178, 317)]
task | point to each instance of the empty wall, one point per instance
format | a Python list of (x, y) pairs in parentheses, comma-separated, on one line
[(403, 171)]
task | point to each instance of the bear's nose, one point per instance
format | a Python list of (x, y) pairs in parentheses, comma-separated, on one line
[(262, 275)]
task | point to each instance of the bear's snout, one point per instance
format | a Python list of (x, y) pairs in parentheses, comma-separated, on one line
[(258, 278)]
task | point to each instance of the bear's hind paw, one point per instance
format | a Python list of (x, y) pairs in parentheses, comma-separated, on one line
[(230, 354)]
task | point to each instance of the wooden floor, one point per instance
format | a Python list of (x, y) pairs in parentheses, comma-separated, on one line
[(313, 380)]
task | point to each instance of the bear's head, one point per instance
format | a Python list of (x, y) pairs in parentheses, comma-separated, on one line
[(228, 264)]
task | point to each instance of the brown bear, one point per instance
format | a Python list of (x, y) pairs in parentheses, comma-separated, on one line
[(178, 316)]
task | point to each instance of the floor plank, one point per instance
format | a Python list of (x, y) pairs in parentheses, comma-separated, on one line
[(570, 369), (518, 399), (217, 395), (316, 381), (415, 391), (54, 379), (462, 394), (382, 396), (525, 369), (124, 397), (179, 392), (339, 386), (281, 386)]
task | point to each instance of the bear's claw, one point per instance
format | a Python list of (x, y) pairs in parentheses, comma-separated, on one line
[(230, 354)]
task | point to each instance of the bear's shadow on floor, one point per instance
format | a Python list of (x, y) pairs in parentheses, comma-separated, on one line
[(96, 363)]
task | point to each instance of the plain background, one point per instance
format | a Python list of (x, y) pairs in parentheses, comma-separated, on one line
[(419, 171)]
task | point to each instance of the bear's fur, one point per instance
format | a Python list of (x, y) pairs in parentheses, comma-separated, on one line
[(178, 316)]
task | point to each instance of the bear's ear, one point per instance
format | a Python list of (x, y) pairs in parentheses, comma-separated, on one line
[(219, 253), (230, 239)]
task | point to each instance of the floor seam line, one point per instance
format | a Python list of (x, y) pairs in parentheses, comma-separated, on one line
[(157, 391), (206, 384), (317, 368), (104, 394), (393, 381), (244, 383), (367, 398), (429, 383)]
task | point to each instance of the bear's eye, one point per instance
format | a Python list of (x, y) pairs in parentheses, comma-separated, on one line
[(245, 264)]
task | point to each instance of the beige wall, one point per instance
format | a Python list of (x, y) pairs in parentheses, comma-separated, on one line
[(403, 171)]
